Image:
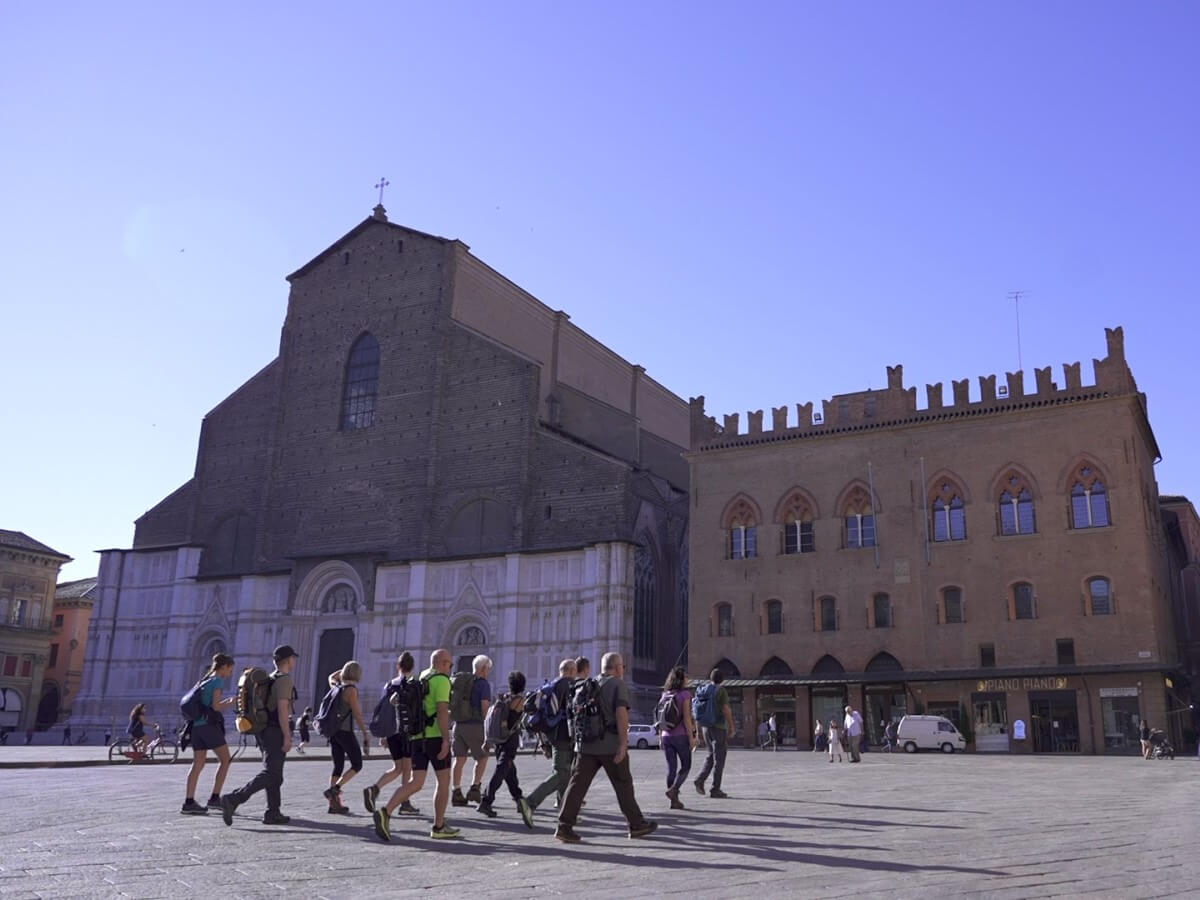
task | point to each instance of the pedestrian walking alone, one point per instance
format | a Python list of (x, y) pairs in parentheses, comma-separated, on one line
[(208, 733), (710, 709)]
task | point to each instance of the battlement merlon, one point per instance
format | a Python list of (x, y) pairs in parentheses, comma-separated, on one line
[(896, 402)]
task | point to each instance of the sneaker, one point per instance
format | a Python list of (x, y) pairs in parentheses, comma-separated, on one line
[(276, 818), (300, 750), (214, 802), (474, 795), (717, 794), (370, 795), (408, 809), (457, 798), (381, 819), (566, 834), (192, 808), (647, 827), (699, 787), (446, 831), (227, 807), (487, 810), (526, 812)]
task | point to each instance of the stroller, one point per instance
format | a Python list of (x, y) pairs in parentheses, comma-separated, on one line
[(1160, 747)]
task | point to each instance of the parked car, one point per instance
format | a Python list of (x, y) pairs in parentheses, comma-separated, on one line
[(929, 733), (643, 736)]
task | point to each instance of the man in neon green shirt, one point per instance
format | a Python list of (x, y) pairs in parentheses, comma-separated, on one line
[(432, 748)]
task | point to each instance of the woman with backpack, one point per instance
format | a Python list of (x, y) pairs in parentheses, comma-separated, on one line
[(208, 733), (678, 731), (302, 726), (342, 743)]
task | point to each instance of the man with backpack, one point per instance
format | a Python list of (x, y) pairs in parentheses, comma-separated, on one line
[(393, 723), (502, 729), (470, 696), (710, 709), (430, 749), (273, 741), (559, 738), (600, 726)]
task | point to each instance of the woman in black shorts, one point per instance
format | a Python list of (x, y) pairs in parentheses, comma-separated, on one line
[(342, 745), (208, 733)]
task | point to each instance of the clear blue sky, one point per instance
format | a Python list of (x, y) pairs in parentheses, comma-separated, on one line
[(762, 203)]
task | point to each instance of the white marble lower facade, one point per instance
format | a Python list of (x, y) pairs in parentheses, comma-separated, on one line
[(154, 625)]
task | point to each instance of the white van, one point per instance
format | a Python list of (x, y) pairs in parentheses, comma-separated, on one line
[(929, 733)]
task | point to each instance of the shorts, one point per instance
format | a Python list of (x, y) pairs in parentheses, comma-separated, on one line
[(400, 746), (468, 740), (425, 753), (207, 736), (304, 736)]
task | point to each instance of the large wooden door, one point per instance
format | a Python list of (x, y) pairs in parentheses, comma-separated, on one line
[(337, 649)]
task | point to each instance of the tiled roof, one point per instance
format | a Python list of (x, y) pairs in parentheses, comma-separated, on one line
[(73, 590), (21, 541)]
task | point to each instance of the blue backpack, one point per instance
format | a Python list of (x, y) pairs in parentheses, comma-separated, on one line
[(542, 712), (704, 705)]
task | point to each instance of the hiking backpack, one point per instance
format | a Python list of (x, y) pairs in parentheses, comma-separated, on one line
[(408, 707), (586, 721), (192, 705), (253, 689), (543, 715), (423, 720), (495, 723), (460, 697), (667, 714), (327, 720), (383, 719), (704, 705)]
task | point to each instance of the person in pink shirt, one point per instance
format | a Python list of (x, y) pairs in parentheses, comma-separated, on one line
[(677, 730)]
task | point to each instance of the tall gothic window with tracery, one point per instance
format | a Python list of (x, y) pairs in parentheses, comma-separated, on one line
[(645, 606), (1015, 506), (949, 516), (1089, 500), (361, 384), (859, 517)]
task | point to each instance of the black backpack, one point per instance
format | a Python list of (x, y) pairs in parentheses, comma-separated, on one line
[(192, 705), (383, 719), (586, 721), (667, 714), (408, 700), (328, 721)]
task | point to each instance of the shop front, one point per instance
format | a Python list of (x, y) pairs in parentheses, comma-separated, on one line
[(1054, 721), (1121, 714), (781, 702), (828, 703), (989, 721), (884, 703)]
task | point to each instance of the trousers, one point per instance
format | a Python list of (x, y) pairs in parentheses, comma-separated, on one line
[(556, 783), (270, 776), (715, 741), (677, 748), (583, 770)]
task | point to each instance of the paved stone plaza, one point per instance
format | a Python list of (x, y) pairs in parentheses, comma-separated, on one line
[(795, 825)]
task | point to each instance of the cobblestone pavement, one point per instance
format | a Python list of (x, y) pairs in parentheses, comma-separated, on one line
[(795, 825)]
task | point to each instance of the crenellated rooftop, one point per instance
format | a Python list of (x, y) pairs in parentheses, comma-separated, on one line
[(897, 404)]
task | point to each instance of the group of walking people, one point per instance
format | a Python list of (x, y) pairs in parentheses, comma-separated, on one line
[(432, 722)]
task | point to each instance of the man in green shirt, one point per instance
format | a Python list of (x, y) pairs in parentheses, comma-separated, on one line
[(716, 737), (432, 748)]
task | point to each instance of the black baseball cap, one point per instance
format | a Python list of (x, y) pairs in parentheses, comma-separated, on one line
[(284, 651)]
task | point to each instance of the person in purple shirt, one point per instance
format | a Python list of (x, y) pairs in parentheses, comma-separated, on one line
[(679, 740)]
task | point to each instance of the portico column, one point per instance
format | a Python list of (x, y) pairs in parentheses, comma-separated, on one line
[(35, 690)]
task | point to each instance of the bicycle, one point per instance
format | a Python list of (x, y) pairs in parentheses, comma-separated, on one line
[(159, 749)]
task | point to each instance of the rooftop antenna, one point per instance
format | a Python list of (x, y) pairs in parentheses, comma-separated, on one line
[(1015, 297)]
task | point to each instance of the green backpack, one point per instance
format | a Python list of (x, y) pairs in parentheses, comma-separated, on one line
[(460, 697)]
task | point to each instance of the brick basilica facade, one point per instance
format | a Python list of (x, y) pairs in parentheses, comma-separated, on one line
[(999, 560), (434, 458)]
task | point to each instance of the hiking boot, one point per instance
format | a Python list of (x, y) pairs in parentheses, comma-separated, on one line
[(408, 809), (370, 795), (214, 802), (526, 812), (457, 798), (566, 834), (331, 793), (381, 819), (446, 831), (699, 787), (644, 829), (474, 795), (192, 808), (717, 794), (275, 818), (227, 808), (339, 808), (487, 810)]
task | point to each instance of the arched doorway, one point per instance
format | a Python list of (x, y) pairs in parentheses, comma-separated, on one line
[(471, 641), (886, 700), (47, 712)]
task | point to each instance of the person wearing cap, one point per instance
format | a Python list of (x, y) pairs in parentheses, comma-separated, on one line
[(274, 742)]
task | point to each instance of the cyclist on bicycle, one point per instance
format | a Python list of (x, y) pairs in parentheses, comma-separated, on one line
[(208, 733), (137, 728)]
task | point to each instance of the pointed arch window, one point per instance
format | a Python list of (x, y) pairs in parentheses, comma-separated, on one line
[(859, 518), (743, 532), (774, 617), (361, 384), (1016, 507), (1089, 500), (645, 606), (949, 515)]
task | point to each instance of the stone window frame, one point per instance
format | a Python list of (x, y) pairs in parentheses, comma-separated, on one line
[(858, 515), (723, 619), (773, 617), (795, 514), (1089, 597), (1012, 601), (944, 489), (1013, 491), (1085, 474), (739, 523), (360, 384), (943, 617), (820, 607), (873, 608)]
